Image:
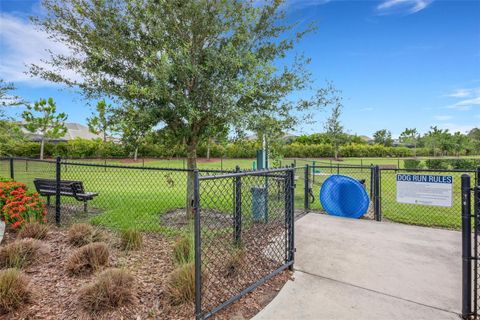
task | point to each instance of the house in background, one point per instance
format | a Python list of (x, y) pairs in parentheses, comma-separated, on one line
[(74, 130)]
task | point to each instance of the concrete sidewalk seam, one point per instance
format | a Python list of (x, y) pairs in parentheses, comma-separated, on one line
[(377, 292)]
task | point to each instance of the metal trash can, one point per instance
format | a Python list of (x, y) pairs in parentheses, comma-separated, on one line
[(259, 203)]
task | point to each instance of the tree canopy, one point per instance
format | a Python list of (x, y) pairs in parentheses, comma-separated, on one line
[(201, 65)]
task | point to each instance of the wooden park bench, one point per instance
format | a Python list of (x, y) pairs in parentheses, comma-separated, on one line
[(68, 188)]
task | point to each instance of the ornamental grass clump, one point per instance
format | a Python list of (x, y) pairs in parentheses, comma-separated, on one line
[(234, 261), (14, 290), (21, 253), (181, 284), (183, 251), (80, 234), (131, 239), (34, 230), (88, 259), (112, 288)]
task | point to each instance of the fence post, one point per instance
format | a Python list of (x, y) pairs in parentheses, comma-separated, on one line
[(306, 188), (12, 172), (466, 248), (292, 217), (58, 169), (198, 262), (237, 221), (376, 194), (289, 214)]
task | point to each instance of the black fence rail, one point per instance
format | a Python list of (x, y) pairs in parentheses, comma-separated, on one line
[(243, 234)]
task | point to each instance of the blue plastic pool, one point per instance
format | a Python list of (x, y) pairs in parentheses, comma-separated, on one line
[(344, 197)]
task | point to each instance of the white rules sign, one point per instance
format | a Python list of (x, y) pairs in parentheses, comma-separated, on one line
[(429, 190)]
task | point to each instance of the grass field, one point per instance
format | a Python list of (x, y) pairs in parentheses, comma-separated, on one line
[(136, 197)]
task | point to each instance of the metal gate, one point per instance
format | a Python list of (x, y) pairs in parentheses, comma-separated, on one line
[(244, 225), (470, 247)]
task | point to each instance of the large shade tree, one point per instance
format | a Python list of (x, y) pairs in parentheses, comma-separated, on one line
[(200, 64)]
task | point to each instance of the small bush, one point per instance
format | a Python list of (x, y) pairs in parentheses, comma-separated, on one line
[(21, 207), (440, 164), (34, 230), (463, 164), (183, 250), (181, 284), (21, 253), (412, 164), (14, 290), (131, 239), (88, 258), (80, 234), (234, 261), (113, 288)]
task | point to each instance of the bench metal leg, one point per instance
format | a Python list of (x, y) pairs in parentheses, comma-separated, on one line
[(84, 205), (48, 200)]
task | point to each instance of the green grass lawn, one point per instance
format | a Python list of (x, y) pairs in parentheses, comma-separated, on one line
[(137, 198)]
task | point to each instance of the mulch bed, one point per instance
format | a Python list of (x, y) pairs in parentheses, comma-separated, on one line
[(178, 219), (56, 291)]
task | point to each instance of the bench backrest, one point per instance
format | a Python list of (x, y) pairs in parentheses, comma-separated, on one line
[(66, 186)]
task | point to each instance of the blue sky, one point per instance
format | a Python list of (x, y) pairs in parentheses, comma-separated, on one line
[(399, 63)]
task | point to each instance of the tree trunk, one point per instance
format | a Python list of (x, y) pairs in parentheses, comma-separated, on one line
[(208, 151), (191, 165), (135, 154), (42, 148)]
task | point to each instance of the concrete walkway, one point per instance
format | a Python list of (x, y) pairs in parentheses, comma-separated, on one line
[(359, 269)]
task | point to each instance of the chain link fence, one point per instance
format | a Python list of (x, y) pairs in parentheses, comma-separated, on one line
[(245, 231), (243, 220), (112, 196), (381, 186)]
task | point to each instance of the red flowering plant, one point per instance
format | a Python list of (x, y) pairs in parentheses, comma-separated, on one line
[(19, 206), (6, 189)]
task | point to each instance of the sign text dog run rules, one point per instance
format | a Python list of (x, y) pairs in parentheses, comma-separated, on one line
[(425, 189)]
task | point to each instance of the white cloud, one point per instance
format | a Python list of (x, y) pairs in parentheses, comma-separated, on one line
[(461, 93), (470, 97), (454, 127), (23, 45), (442, 117), (402, 6)]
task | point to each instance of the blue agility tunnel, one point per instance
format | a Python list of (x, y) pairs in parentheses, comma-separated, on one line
[(344, 197)]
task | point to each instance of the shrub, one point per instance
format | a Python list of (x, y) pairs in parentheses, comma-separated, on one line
[(80, 234), (113, 288), (183, 250), (23, 207), (463, 164), (21, 253), (88, 258), (181, 284), (14, 290), (6, 189), (34, 230), (131, 239), (440, 164), (412, 164)]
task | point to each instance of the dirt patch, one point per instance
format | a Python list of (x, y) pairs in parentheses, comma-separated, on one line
[(205, 160), (56, 292), (177, 218)]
